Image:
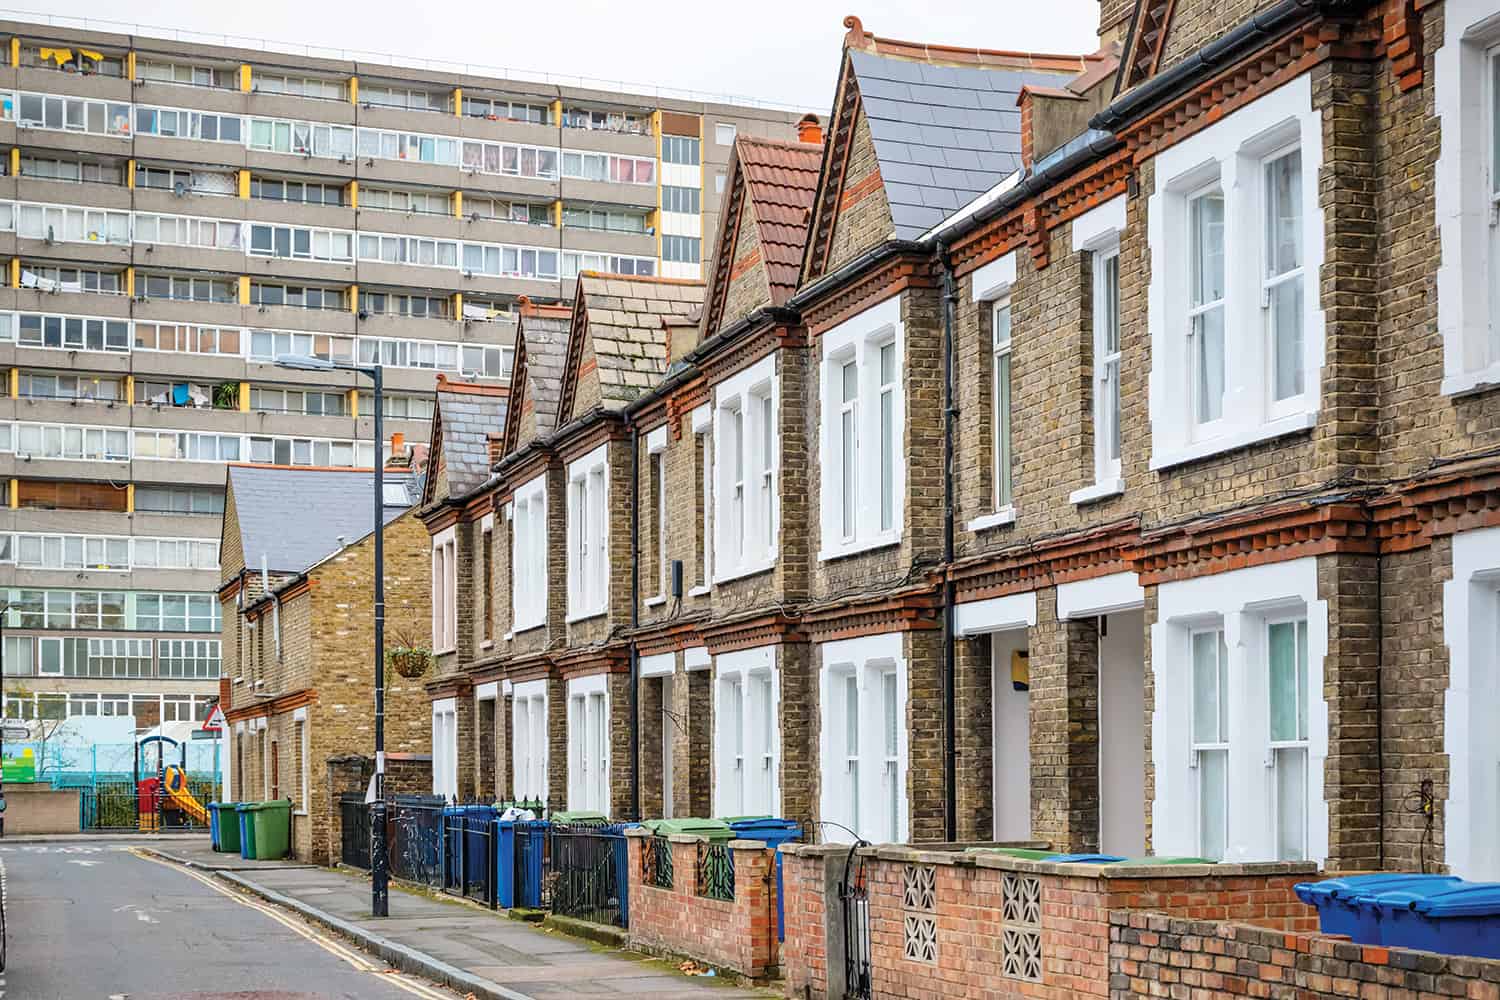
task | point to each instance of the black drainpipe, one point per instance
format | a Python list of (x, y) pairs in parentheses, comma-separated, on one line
[(635, 617), (950, 681)]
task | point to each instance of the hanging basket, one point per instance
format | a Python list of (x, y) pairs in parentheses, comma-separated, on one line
[(409, 663)]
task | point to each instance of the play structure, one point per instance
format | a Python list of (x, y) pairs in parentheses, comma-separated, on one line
[(164, 799)]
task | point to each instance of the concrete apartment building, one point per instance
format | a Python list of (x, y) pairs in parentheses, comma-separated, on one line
[(173, 216), (1196, 549)]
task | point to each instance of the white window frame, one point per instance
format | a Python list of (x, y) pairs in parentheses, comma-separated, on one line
[(445, 591), (747, 503), (1471, 741), (588, 535), (530, 740), (1230, 155), (529, 555), (656, 460), (1301, 743), (747, 761), (445, 747), (991, 288), (1098, 232), (856, 789), (1243, 603), (588, 743), (859, 339), (1002, 419), (1467, 182), (703, 427)]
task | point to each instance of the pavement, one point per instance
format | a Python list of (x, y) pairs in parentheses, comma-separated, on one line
[(472, 949), (100, 921)]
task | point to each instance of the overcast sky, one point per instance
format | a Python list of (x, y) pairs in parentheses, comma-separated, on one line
[(776, 50)]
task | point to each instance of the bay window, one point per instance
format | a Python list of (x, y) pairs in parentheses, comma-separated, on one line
[(863, 739), (747, 461), (588, 536), (529, 555), (1236, 328), (863, 431), (529, 741), (588, 743), (747, 724), (1240, 732)]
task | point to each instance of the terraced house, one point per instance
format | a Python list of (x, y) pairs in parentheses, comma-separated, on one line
[(176, 215), (1097, 449)]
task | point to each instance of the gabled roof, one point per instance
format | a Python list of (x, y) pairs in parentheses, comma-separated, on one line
[(536, 376), (294, 518), (619, 318), (778, 181), (944, 122), (466, 412)]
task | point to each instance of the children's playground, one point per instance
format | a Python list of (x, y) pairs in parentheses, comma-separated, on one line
[(161, 779)]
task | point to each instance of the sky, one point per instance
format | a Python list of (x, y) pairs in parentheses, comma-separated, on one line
[(780, 51)]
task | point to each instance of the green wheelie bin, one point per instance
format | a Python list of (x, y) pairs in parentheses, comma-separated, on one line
[(272, 828)]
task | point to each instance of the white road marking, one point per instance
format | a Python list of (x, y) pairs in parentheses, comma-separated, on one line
[(354, 958), (85, 864)]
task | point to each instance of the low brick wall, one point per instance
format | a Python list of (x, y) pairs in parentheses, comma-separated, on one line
[(983, 925), (40, 809), (738, 934), (1152, 955)]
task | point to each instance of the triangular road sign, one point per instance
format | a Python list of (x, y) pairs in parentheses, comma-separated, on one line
[(215, 721)]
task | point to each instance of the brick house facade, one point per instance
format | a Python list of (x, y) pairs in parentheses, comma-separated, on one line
[(298, 689), (1129, 487)]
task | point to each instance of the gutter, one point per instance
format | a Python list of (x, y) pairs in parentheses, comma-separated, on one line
[(1226, 48), (854, 268)]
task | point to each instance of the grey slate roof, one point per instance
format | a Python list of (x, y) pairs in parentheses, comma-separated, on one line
[(546, 355), (295, 517), (943, 134), (466, 418)]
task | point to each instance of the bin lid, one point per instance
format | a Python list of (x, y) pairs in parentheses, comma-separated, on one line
[(1152, 859), (736, 820), (579, 816), (771, 824), (1019, 853), (1348, 886), (274, 804), (1466, 899), (1084, 859), (714, 829)]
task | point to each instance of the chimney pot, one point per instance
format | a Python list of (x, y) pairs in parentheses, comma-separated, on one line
[(810, 130)]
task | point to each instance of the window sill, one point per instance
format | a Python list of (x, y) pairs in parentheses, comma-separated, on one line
[(1005, 515), (701, 591), (657, 601), (299, 812), (842, 549), (583, 616), (746, 569), (444, 652), (1466, 383), (523, 629), (487, 644), (1230, 442), (1099, 491)]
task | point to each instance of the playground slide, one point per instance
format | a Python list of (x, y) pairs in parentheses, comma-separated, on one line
[(177, 790)]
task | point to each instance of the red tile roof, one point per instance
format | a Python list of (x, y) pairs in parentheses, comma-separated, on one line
[(781, 179)]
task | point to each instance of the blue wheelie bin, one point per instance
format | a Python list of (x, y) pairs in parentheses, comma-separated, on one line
[(1084, 859), (1459, 919), (505, 863), (213, 826), (774, 832), (1336, 900), (246, 817), (530, 849)]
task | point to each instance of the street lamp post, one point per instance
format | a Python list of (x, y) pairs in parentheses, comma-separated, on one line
[(379, 861)]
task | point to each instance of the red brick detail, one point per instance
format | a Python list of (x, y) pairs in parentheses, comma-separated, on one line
[(860, 191), (747, 633), (912, 610), (876, 286), (738, 934), (1401, 35), (745, 263), (668, 638), (952, 55), (1067, 559)]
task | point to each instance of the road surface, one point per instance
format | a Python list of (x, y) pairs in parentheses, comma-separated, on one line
[(99, 922)]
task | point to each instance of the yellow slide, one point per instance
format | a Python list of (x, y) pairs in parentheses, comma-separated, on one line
[(177, 791)]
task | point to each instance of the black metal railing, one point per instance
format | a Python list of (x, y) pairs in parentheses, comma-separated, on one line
[(414, 833), (656, 863), (585, 870), (716, 872), (354, 830), (469, 856), (854, 909), (109, 807)]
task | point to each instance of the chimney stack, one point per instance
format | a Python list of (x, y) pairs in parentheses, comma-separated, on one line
[(496, 445), (810, 131)]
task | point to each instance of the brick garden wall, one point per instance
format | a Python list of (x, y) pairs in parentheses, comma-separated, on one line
[(738, 934), (1160, 956), (964, 925)]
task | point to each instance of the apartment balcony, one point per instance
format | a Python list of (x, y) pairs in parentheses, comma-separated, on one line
[(85, 522), (506, 130), (152, 470), (45, 141), (410, 327), (100, 254), (180, 366), (509, 185), (502, 231), (72, 411), (297, 214), (225, 154), (298, 272), (442, 225), (202, 419), (393, 119), (221, 100), (325, 167), (642, 196), (301, 109), (181, 310), (55, 468), (72, 303), (172, 257), (591, 140), (99, 362), (206, 206), (298, 425), (375, 170), (296, 318), (607, 241), (53, 81), (112, 196)]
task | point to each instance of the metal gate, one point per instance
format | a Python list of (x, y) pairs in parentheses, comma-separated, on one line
[(854, 900)]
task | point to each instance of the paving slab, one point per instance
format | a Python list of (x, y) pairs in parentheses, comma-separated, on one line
[(472, 949)]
